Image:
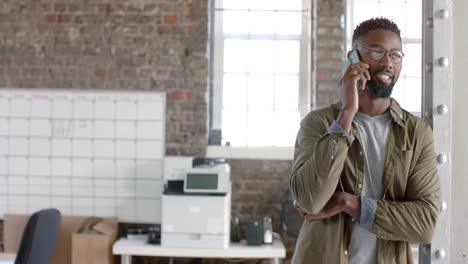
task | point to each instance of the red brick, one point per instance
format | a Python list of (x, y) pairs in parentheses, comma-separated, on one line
[(51, 18), (189, 29), (143, 19), (104, 8), (13, 72), (171, 19), (181, 96), (73, 7), (162, 30), (60, 7), (146, 30), (101, 73), (5, 61), (322, 75), (203, 4), (251, 186), (57, 19), (188, 9), (64, 19)]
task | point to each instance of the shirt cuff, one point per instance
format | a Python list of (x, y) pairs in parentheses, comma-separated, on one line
[(336, 128), (368, 209)]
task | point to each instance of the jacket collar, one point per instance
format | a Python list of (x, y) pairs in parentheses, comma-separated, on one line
[(395, 111)]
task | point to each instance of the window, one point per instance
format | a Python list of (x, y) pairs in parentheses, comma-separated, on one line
[(260, 71), (407, 14)]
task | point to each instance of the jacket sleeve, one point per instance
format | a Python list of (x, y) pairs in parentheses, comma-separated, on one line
[(319, 157), (413, 220)]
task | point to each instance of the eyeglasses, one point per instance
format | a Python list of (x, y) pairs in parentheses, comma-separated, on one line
[(377, 53)]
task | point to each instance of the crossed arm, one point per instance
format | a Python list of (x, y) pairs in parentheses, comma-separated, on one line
[(339, 202), (319, 161)]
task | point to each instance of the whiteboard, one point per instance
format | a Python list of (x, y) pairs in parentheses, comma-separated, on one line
[(84, 152)]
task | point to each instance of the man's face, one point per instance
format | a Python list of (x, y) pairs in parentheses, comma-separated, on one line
[(385, 71)]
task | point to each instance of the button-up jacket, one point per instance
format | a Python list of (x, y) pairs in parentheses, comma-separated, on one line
[(326, 162)]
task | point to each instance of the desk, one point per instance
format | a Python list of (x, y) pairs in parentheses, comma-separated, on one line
[(128, 248), (7, 258)]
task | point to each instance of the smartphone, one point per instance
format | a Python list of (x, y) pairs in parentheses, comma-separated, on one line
[(353, 59)]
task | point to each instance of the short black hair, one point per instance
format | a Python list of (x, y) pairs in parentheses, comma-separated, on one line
[(375, 23)]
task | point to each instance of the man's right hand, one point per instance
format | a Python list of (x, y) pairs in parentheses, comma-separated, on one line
[(348, 92)]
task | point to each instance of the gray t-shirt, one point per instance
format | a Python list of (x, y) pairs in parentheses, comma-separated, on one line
[(374, 132)]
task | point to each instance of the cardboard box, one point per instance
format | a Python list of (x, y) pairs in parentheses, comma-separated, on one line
[(95, 247), (13, 227)]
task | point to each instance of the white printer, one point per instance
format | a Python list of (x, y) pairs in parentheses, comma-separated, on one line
[(196, 213)]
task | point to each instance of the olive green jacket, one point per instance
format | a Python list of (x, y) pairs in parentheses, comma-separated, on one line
[(409, 208)]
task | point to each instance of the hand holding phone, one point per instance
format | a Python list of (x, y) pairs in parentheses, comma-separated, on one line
[(355, 76), (354, 58)]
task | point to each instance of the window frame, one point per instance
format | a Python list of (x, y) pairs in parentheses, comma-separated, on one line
[(306, 92)]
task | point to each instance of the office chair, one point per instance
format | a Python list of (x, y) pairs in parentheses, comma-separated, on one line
[(39, 238)]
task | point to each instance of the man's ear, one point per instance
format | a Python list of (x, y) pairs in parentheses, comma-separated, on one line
[(349, 54)]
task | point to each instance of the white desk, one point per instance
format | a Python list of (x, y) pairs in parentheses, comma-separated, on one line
[(128, 248)]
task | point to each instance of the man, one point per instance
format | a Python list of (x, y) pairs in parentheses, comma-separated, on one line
[(364, 173)]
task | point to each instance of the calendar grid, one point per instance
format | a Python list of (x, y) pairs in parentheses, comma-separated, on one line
[(84, 152)]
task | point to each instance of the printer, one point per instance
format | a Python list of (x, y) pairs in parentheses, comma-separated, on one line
[(196, 208)]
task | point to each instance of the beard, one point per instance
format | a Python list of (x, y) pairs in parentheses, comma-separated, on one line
[(378, 88)]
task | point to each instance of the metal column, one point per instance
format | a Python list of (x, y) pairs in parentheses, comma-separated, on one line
[(437, 109)]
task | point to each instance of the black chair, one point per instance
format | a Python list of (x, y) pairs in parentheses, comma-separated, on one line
[(39, 238)]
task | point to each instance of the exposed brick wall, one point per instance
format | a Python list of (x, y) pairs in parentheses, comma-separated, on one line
[(258, 188), (329, 51), (137, 45), (157, 45)]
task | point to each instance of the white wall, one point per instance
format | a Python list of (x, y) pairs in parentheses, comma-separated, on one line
[(459, 232)]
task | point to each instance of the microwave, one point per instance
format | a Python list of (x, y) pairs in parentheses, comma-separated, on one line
[(208, 179)]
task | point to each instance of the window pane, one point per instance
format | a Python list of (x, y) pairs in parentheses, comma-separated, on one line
[(364, 9), (262, 22), (260, 70), (235, 91), (413, 94), (236, 22), (288, 4), (236, 4), (392, 1), (263, 4), (260, 128), (234, 127), (399, 91), (413, 25), (235, 51), (260, 56), (412, 60), (260, 92), (393, 11), (286, 92), (288, 23), (285, 127), (287, 57)]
